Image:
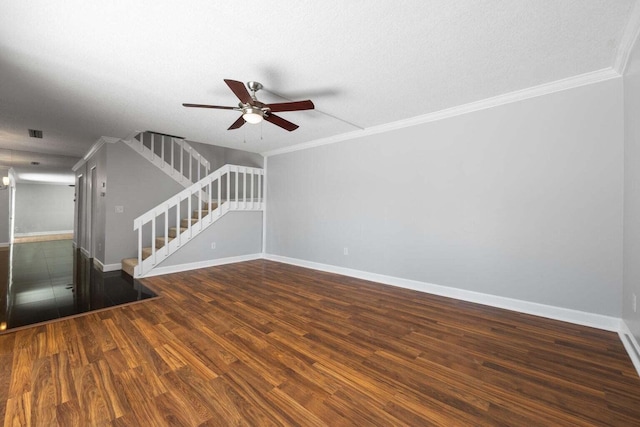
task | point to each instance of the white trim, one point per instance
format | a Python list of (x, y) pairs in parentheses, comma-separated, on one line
[(158, 271), (163, 165), (628, 40), (507, 98), (85, 253), (94, 148), (599, 321), (4, 244), (132, 135), (105, 268), (98, 264), (630, 344), (43, 233), (111, 267), (264, 204)]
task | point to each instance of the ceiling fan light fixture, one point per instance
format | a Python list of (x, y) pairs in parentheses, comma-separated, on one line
[(252, 115)]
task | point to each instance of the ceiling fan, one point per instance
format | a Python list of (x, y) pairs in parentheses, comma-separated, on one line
[(254, 111)]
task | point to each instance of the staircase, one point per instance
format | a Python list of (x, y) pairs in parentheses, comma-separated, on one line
[(172, 155), (170, 225)]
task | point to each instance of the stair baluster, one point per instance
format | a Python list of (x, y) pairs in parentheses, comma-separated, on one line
[(202, 192)]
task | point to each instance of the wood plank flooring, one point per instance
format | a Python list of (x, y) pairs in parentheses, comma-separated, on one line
[(263, 343)]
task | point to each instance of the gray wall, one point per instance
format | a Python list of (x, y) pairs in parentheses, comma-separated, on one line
[(43, 208), (137, 186), (522, 201), (235, 234), (632, 192), (220, 156)]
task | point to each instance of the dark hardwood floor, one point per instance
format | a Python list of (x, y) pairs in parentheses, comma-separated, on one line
[(263, 343)]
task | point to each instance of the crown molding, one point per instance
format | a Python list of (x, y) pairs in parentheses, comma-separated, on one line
[(94, 148), (507, 98), (628, 39)]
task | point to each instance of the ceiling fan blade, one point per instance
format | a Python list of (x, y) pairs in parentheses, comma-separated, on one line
[(238, 123), (279, 121), (291, 106), (240, 90), (209, 106)]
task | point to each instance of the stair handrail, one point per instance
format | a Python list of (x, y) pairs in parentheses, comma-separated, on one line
[(202, 190), (184, 147)]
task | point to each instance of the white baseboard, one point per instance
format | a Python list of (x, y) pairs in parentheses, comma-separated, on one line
[(111, 267), (201, 264), (630, 344), (85, 252), (43, 233), (98, 264), (598, 321), (4, 244), (105, 268)]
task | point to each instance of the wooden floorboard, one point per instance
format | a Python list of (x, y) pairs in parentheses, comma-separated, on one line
[(263, 343)]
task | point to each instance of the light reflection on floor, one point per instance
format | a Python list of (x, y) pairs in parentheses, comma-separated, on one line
[(42, 281)]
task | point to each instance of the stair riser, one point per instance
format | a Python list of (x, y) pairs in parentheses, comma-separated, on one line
[(205, 212), (173, 232), (160, 242), (185, 222), (128, 266)]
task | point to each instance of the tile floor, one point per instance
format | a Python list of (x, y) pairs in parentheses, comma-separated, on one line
[(52, 279)]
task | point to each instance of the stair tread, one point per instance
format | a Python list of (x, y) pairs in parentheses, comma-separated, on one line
[(173, 231), (160, 241), (129, 265)]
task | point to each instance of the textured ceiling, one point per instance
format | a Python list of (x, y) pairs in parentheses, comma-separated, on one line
[(79, 70)]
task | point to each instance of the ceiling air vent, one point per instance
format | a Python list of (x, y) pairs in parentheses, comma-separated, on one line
[(34, 133)]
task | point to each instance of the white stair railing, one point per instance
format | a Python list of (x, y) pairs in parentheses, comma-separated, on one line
[(230, 188), (172, 155)]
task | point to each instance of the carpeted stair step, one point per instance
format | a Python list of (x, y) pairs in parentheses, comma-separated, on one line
[(214, 205), (146, 252), (184, 223), (205, 209), (194, 215), (128, 265), (173, 231), (160, 241)]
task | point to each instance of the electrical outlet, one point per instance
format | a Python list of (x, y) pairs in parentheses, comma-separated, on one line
[(213, 245), (346, 251), (119, 209), (633, 302)]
